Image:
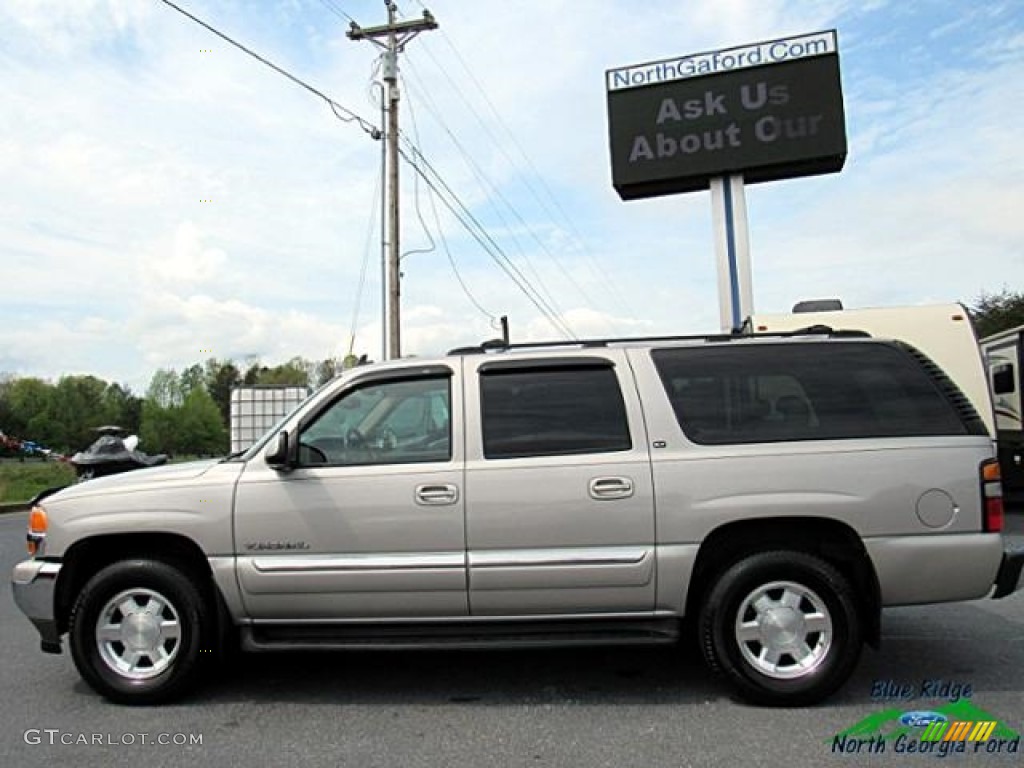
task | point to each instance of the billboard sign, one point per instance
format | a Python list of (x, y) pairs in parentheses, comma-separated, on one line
[(768, 111)]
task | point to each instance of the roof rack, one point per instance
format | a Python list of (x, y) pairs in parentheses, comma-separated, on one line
[(497, 345)]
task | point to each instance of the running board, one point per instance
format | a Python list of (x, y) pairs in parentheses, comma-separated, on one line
[(457, 635)]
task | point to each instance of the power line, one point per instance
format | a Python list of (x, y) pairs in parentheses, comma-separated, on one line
[(336, 9), (493, 188), (346, 115), (472, 225), (455, 269), (489, 189), (366, 261), (416, 194), (588, 257), (341, 112), (440, 229), (480, 234)]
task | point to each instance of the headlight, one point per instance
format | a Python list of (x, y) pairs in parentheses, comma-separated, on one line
[(37, 525)]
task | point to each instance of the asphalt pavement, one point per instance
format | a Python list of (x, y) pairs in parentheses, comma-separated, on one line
[(608, 707)]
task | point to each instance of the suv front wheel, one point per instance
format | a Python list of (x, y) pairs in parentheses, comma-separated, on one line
[(783, 627), (137, 630)]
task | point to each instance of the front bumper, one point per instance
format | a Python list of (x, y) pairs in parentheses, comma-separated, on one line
[(34, 582), (1009, 576)]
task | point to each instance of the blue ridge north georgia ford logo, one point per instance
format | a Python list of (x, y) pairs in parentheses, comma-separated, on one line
[(958, 727)]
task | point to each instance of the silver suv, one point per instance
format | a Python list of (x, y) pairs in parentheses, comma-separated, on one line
[(777, 491)]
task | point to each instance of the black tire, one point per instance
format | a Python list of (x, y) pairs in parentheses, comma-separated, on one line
[(159, 625), (802, 642)]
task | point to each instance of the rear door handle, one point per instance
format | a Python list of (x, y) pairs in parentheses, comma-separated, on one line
[(605, 488), (436, 495)]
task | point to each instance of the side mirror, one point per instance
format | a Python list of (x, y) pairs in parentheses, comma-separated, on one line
[(278, 456)]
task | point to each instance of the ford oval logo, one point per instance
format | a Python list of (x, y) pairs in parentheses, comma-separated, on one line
[(921, 718)]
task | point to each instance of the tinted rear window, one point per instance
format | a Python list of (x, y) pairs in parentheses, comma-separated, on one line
[(806, 391), (552, 412)]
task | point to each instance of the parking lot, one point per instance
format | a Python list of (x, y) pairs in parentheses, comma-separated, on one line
[(605, 707)]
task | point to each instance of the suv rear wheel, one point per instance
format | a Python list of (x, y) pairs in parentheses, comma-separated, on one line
[(783, 627), (137, 630)]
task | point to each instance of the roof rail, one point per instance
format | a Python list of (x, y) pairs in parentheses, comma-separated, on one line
[(497, 345)]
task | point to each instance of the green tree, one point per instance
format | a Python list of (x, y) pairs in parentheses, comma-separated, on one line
[(179, 416), (253, 373), (158, 431), (201, 429), (77, 408), (63, 416), (6, 413), (995, 312), (221, 377), (30, 402), (297, 372), (326, 370), (121, 407), (165, 388), (191, 378)]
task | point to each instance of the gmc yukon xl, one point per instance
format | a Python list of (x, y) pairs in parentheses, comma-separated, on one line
[(777, 492)]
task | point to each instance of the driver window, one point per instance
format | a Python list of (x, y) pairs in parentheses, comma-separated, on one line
[(395, 422)]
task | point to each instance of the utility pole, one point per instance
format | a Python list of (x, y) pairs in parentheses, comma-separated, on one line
[(392, 37)]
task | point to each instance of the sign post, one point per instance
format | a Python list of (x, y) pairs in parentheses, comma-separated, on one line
[(732, 251), (723, 119)]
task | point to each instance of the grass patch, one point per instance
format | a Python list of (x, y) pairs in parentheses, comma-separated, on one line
[(21, 482)]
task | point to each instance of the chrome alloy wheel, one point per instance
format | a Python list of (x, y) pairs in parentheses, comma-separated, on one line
[(138, 633), (783, 630)]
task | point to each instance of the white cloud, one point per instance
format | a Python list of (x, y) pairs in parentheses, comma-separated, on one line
[(175, 329), (66, 27), (186, 260)]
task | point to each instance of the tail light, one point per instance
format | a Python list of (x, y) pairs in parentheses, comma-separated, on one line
[(992, 496)]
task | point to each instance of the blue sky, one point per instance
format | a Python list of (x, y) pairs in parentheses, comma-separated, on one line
[(122, 119)]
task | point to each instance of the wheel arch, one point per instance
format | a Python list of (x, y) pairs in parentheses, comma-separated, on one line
[(831, 540), (87, 557)]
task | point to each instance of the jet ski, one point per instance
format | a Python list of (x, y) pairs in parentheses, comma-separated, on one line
[(111, 453)]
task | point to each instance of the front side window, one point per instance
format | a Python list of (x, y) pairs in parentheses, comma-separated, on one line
[(390, 422), (552, 412), (806, 391)]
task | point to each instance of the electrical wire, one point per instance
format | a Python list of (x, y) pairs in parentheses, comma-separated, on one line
[(491, 190), (440, 230), (472, 225), (453, 202), (366, 261), (341, 112), (416, 195), (494, 190), (373, 81), (455, 268), (595, 270), (337, 10)]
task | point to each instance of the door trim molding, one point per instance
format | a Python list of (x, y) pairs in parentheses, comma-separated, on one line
[(348, 563)]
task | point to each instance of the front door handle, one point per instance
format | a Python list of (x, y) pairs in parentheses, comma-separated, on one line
[(436, 495), (605, 488)]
